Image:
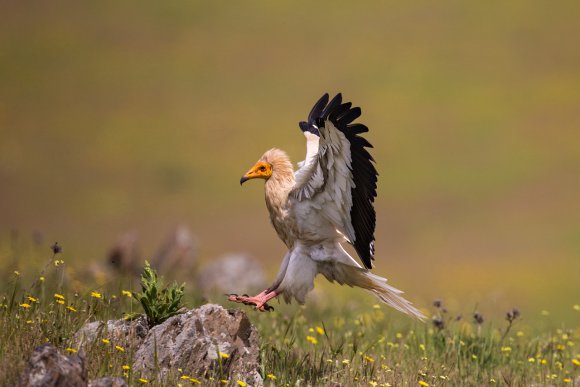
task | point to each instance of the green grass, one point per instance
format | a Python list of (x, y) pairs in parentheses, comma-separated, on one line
[(331, 339)]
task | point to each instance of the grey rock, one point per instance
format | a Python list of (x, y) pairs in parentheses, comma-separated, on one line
[(124, 256), (233, 273), (193, 341), (49, 368), (177, 254), (108, 382), (129, 334)]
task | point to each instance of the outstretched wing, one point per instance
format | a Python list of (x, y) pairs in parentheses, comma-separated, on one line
[(338, 180)]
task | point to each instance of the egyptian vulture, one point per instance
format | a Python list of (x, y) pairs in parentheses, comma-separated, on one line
[(326, 201)]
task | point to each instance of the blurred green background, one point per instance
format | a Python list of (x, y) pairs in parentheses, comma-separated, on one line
[(144, 115)]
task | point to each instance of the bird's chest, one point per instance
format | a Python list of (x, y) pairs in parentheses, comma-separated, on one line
[(283, 224)]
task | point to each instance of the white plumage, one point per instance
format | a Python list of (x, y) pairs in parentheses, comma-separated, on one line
[(327, 201)]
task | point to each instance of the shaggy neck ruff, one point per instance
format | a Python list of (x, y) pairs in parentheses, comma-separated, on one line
[(277, 188)]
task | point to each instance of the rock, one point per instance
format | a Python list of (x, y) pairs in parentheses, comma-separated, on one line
[(47, 367), (177, 254), (108, 382), (234, 273), (129, 334), (124, 256), (195, 341)]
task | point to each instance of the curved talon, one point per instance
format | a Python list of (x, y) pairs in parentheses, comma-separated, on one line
[(265, 308)]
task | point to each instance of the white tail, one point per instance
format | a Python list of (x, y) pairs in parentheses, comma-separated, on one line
[(390, 295), (363, 278)]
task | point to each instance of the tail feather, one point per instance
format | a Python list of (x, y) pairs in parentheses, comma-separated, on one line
[(363, 278), (391, 296)]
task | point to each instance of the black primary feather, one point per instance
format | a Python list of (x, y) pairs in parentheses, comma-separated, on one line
[(316, 112), (362, 213)]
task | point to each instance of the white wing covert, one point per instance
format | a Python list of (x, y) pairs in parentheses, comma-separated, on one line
[(337, 180)]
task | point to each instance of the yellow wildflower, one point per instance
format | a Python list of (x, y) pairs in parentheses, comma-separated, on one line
[(71, 350), (422, 347), (194, 381), (224, 355), (16, 273), (312, 339), (96, 295), (144, 381), (531, 360), (185, 377), (492, 381), (121, 349), (373, 383), (567, 380), (29, 321), (506, 349), (320, 330), (72, 309), (224, 381), (106, 341), (424, 384), (576, 362), (271, 376), (474, 357), (58, 301), (25, 305), (126, 367), (368, 359), (241, 383), (346, 362), (58, 296), (399, 335), (32, 299), (41, 279), (126, 293)]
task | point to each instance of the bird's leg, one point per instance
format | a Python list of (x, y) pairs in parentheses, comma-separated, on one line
[(259, 300)]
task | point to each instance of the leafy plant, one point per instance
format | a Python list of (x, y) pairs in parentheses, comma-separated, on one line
[(158, 302)]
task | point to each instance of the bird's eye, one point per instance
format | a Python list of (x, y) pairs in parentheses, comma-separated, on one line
[(263, 168)]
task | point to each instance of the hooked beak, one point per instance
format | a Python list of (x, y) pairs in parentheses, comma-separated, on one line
[(258, 171)]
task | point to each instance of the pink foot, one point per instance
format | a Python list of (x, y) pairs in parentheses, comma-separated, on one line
[(260, 300)]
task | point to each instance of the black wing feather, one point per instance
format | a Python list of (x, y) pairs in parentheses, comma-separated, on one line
[(316, 112), (362, 214)]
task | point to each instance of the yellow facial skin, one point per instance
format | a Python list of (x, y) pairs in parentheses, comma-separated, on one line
[(261, 170)]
